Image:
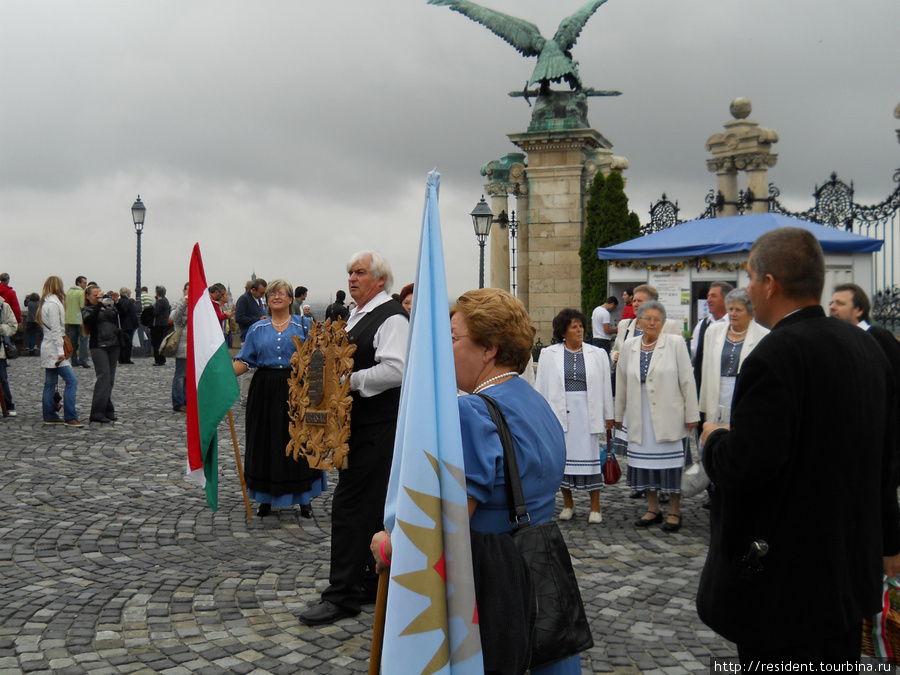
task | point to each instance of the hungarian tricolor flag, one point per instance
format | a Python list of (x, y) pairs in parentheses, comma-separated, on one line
[(212, 387)]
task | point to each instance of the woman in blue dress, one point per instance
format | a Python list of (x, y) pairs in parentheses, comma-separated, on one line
[(492, 337), (274, 479)]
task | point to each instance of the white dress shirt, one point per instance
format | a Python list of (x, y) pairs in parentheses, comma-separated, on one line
[(390, 350)]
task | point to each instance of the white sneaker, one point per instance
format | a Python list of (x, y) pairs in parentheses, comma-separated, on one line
[(566, 514), (11, 413), (595, 517)]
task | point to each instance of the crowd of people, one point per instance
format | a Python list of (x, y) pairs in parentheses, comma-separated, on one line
[(754, 376)]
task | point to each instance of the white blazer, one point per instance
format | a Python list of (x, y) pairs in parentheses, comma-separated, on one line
[(625, 331), (713, 343), (670, 388), (551, 384)]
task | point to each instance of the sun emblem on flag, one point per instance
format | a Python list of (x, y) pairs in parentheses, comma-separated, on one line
[(431, 580)]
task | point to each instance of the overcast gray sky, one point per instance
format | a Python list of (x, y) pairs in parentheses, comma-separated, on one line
[(285, 134)]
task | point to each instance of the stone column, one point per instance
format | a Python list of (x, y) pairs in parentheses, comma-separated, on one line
[(757, 183), (727, 184), (517, 175), (555, 219), (744, 146), (499, 187)]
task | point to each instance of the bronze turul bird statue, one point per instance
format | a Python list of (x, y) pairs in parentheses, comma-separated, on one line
[(554, 60)]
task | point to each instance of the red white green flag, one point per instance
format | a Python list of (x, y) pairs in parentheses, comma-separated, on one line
[(212, 387)]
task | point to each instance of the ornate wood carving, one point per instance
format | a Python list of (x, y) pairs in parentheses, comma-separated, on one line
[(319, 400)]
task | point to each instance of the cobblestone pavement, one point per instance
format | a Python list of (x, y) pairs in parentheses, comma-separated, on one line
[(110, 561)]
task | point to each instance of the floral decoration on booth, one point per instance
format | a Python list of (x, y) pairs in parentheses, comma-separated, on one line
[(697, 263)]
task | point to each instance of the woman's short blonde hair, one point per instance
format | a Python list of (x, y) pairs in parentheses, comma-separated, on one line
[(495, 318), (279, 285)]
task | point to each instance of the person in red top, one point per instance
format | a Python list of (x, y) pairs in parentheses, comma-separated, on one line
[(628, 310), (218, 293), (8, 294)]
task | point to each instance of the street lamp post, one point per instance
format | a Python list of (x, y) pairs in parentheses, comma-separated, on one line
[(481, 219), (505, 222), (138, 210)]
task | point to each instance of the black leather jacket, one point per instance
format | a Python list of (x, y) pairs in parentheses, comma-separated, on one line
[(102, 322)]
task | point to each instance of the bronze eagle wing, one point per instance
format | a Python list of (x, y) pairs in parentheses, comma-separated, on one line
[(570, 27), (521, 34)]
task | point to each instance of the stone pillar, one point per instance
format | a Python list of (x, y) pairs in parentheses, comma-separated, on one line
[(518, 177), (727, 185), (499, 187), (744, 146), (555, 219)]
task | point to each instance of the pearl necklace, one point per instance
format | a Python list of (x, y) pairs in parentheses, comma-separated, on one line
[(644, 344), (494, 379), (283, 323), (739, 332)]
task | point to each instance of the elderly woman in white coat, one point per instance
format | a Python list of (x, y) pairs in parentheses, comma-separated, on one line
[(727, 345), (51, 314), (656, 398), (574, 377)]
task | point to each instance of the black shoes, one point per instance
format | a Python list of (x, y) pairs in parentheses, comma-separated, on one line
[(264, 510), (100, 420), (672, 527), (326, 612), (306, 511), (637, 494), (647, 522)]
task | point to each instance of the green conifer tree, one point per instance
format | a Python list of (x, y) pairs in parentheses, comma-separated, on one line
[(608, 222)]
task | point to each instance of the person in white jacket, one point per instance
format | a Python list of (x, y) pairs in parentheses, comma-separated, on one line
[(656, 398), (727, 345), (574, 377), (8, 328), (51, 315)]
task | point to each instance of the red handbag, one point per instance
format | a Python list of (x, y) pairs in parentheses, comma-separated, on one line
[(612, 472)]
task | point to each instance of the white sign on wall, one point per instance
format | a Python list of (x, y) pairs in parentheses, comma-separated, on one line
[(674, 293)]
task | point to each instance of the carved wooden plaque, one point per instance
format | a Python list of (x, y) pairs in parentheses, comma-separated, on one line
[(319, 400)]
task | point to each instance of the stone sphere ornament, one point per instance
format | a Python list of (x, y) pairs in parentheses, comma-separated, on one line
[(740, 108)]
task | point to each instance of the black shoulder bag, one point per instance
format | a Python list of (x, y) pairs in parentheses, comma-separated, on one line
[(560, 628)]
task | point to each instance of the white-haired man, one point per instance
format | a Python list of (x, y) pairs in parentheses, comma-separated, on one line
[(379, 327)]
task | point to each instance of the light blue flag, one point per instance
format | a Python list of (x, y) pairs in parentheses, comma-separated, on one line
[(431, 622)]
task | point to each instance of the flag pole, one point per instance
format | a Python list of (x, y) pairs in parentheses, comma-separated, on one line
[(378, 624), (240, 470)]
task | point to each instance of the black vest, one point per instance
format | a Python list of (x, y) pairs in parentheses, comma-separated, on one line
[(698, 357), (382, 407)]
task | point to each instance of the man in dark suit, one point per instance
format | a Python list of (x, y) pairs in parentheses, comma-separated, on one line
[(809, 415), (850, 303)]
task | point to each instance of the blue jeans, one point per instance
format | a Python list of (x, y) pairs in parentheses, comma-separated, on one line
[(179, 384), (4, 383), (51, 377)]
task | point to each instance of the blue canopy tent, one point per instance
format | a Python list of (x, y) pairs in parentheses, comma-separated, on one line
[(709, 236)]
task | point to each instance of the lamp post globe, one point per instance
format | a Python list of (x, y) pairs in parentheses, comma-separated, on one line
[(482, 217), (138, 211)]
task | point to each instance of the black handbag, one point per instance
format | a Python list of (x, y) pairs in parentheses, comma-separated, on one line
[(12, 352), (560, 627)]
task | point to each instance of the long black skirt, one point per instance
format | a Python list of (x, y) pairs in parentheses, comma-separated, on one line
[(266, 467)]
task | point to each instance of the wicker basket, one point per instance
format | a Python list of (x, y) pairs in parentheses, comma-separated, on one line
[(892, 633)]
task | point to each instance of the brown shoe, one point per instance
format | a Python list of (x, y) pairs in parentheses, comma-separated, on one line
[(75, 424)]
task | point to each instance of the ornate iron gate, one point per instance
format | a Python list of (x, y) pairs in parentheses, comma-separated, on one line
[(835, 207)]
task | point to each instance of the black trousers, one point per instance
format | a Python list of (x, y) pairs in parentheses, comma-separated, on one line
[(834, 649), (157, 334), (125, 351), (357, 513)]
